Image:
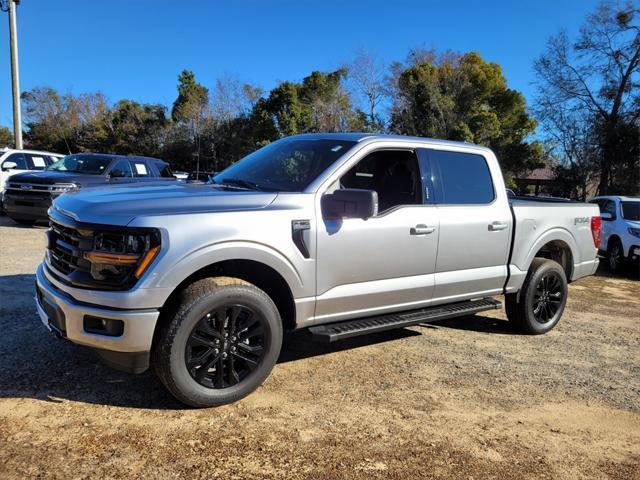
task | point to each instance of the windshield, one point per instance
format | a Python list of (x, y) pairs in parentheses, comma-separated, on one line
[(288, 165), (631, 211), (87, 164)]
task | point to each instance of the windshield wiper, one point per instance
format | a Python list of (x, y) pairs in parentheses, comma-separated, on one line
[(246, 184)]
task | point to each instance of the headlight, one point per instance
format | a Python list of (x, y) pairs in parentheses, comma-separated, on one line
[(63, 187), (634, 231), (116, 256)]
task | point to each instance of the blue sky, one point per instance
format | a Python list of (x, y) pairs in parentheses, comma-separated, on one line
[(136, 48)]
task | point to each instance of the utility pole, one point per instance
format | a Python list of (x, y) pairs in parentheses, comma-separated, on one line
[(15, 76)]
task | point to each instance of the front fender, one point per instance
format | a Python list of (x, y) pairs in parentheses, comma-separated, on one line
[(176, 272)]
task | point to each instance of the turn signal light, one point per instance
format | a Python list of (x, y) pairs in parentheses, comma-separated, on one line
[(146, 261)]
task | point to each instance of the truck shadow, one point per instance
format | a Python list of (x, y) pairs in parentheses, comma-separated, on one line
[(628, 272), (36, 365)]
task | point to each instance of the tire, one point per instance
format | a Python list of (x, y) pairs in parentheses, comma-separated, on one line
[(537, 308), (615, 256), (223, 324)]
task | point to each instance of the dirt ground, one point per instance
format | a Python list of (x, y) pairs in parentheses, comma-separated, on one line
[(459, 399)]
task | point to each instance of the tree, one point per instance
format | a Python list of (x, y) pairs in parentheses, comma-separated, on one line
[(191, 111), (462, 97), (65, 123), (137, 129), (595, 82), (367, 81), (6, 137), (232, 98), (318, 104)]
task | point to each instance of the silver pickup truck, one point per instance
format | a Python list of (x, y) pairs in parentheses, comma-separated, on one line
[(340, 234)]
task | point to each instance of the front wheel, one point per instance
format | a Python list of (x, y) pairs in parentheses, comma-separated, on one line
[(220, 342), (537, 308)]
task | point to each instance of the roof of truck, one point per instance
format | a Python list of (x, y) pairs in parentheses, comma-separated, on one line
[(362, 136), (117, 155)]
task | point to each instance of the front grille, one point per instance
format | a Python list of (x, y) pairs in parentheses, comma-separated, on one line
[(66, 248), (28, 188)]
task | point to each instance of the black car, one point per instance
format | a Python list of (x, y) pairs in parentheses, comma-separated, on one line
[(28, 196)]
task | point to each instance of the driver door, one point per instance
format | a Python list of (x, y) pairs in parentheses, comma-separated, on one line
[(384, 263)]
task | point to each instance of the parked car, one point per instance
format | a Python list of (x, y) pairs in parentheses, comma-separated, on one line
[(28, 196), (181, 175), (203, 177), (20, 161), (340, 234), (620, 229)]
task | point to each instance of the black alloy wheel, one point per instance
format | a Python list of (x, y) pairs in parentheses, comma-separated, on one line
[(225, 346), (218, 340), (548, 297), (538, 306)]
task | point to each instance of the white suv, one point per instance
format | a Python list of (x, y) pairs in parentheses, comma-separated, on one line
[(620, 229), (20, 161)]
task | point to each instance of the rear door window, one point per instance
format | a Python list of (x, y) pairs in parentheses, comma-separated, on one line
[(140, 168), (461, 178), (164, 170), (37, 162)]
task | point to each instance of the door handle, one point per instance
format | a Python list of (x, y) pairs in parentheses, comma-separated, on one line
[(421, 229), (495, 226)]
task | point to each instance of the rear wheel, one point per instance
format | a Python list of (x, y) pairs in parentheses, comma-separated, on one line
[(221, 341), (537, 308), (615, 256)]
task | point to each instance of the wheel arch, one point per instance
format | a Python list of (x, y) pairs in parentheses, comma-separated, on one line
[(263, 276), (253, 262), (613, 238), (558, 245), (560, 252)]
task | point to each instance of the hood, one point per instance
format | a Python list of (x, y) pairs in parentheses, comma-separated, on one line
[(49, 178), (120, 205)]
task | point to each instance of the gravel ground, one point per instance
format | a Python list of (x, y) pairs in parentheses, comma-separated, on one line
[(459, 399)]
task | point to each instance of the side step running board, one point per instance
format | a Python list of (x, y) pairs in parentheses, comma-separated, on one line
[(362, 326)]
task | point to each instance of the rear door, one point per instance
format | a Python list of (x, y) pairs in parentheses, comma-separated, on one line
[(475, 226)]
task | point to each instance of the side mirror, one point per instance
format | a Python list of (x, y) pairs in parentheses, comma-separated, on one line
[(350, 203), (6, 166), (606, 216)]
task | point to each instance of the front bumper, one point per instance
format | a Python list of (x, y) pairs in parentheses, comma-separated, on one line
[(26, 207), (65, 315)]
